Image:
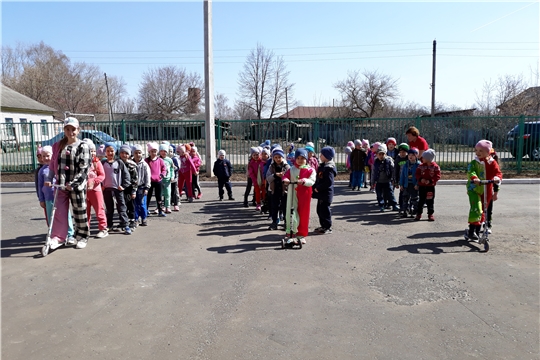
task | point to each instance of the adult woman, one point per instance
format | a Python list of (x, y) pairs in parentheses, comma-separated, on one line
[(415, 140), (69, 165)]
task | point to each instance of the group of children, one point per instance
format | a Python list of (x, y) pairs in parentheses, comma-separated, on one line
[(284, 184)]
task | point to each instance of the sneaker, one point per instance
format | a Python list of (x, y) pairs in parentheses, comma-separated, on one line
[(115, 229), (81, 244), (54, 243), (231, 198), (133, 224), (176, 208), (372, 190), (102, 234), (326, 231), (319, 229), (472, 235), (190, 200), (221, 198), (161, 214), (302, 239), (71, 241), (167, 210), (404, 214), (395, 208), (127, 230), (199, 196), (418, 217), (258, 208), (430, 217), (144, 223), (273, 226), (156, 211), (381, 208), (246, 204)]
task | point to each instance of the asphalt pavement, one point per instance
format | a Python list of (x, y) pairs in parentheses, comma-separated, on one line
[(212, 282)]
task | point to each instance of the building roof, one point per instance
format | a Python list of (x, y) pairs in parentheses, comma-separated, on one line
[(320, 112), (146, 117), (452, 113), (526, 103), (12, 100)]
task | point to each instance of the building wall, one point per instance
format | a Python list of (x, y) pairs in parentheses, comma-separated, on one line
[(16, 126)]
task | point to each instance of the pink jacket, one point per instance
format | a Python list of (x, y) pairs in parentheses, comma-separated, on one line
[(96, 175), (186, 165), (196, 162), (255, 166)]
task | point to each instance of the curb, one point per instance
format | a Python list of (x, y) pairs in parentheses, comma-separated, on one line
[(208, 184)]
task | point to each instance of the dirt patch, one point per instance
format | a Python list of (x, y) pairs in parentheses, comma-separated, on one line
[(446, 175)]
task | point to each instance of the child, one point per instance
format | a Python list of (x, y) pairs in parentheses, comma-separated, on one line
[(400, 160), (266, 160), (278, 192), (427, 175), (36, 173), (299, 196), (144, 176), (223, 171), (94, 193), (391, 148), (166, 180), (195, 177), (383, 177), (312, 158), (408, 183), (370, 161), (290, 155), (69, 164), (186, 171), (255, 173), (158, 171), (323, 190), (483, 167), (367, 165), (348, 151), (130, 192), (358, 157), (116, 180), (175, 194)]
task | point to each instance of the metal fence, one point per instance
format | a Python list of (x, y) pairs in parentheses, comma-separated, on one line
[(516, 139)]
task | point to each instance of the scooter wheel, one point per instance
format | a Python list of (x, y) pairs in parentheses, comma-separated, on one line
[(283, 243), (486, 246), (299, 244), (45, 250)]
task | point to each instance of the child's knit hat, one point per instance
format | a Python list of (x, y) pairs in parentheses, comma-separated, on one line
[(301, 152), (164, 147), (172, 148), (403, 146), (350, 144), (274, 146), (266, 143), (39, 150), (152, 146), (291, 147), (188, 147), (429, 155), (391, 140), (347, 150), (328, 152), (111, 144), (278, 152), (375, 145), (180, 147), (266, 151), (485, 144), (413, 150), (310, 149), (194, 148), (254, 150), (357, 142), (90, 143), (100, 151), (221, 152), (46, 149), (365, 142), (136, 147), (310, 144), (126, 148), (381, 148)]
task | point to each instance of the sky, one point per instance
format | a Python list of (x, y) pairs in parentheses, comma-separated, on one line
[(320, 42)]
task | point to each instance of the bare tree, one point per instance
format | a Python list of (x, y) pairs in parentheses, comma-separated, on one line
[(222, 110), (263, 83), (126, 105), (497, 95), (164, 91), (367, 92)]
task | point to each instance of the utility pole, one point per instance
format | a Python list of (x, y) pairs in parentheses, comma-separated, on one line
[(433, 80), (210, 128), (109, 105)]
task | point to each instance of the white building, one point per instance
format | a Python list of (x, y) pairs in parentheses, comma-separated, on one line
[(19, 115)]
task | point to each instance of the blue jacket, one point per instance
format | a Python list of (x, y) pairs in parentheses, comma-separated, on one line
[(222, 169), (388, 165), (404, 176)]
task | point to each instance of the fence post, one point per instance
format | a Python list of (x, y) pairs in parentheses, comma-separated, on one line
[(218, 135), (519, 154), (316, 136), (417, 123), (33, 147), (123, 130)]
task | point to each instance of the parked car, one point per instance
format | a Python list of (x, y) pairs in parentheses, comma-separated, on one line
[(531, 140), (98, 137)]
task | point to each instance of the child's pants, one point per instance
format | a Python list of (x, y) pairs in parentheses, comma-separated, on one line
[(248, 190), (94, 199), (109, 195), (426, 197), (185, 178), (410, 199), (62, 218), (139, 206), (357, 179), (166, 191), (130, 207), (49, 207), (260, 192), (476, 212), (324, 213), (278, 202), (384, 190), (195, 184), (224, 182), (154, 185), (300, 221), (175, 195)]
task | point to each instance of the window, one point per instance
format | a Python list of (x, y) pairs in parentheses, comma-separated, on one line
[(24, 126), (44, 128), (9, 127)]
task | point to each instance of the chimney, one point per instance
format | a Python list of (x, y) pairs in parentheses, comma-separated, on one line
[(194, 98)]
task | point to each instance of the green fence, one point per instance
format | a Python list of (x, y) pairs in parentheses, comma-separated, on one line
[(516, 139)]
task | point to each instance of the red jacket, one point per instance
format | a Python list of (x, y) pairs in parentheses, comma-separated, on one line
[(431, 172)]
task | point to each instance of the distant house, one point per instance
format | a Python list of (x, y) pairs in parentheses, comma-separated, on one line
[(320, 112), (453, 113), (525, 103), (17, 112)]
